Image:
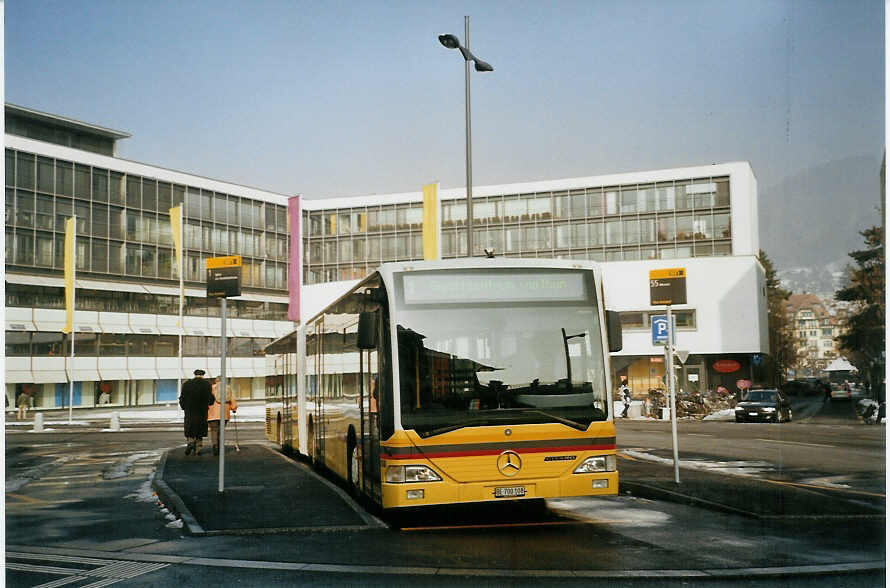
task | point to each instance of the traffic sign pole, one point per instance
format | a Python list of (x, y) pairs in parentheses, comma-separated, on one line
[(223, 280), (673, 388), (668, 286), (222, 398)]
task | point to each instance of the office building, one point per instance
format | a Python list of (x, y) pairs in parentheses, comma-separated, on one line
[(126, 338)]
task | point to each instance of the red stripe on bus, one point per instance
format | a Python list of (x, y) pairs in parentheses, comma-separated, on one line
[(421, 455)]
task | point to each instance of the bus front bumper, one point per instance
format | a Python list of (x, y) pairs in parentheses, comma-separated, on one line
[(449, 492)]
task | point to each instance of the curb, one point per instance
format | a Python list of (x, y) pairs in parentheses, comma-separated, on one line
[(654, 493), (172, 499)]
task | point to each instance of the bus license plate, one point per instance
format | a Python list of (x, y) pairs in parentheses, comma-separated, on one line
[(509, 491)]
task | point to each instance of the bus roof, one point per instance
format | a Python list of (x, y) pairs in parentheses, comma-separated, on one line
[(287, 343)]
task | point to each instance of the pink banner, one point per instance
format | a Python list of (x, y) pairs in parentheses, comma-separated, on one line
[(295, 266)]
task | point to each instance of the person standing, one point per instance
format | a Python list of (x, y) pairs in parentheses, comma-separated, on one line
[(104, 393), (24, 402), (213, 414), (626, 398), (195, 399)]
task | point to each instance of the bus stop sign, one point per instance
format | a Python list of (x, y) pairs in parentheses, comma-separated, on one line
[(224, 276), (667, 286)]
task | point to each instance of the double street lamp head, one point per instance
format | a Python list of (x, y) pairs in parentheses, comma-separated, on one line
[(449, 41), (452, 42)]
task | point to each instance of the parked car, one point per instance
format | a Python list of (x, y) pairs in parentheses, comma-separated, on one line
[(841, 391), (768, 405)]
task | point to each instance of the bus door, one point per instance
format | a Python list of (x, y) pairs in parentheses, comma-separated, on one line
[(370, 433), (317, 432)]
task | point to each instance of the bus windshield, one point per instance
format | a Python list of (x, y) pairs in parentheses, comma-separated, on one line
[(498, 347)]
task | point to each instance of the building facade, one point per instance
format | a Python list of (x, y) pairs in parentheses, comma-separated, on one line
[(817, 323), (701, 218), (126, 339)]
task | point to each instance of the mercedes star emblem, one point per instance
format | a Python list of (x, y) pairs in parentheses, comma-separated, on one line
[(509, 463)]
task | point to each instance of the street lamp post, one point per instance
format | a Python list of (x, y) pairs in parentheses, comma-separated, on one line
[(565, 342), (452, 42)]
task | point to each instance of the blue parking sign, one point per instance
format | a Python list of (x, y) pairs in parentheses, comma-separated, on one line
[(660, 329)]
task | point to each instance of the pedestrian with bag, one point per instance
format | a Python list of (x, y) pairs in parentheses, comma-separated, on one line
[(195, 400), (626, 398), (213, 415), (24, 402)]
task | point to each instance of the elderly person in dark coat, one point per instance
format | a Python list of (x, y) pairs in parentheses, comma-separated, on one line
[(195, 399)]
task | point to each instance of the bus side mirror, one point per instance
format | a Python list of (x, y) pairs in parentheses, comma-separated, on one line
[(613, 328), (367, 330)]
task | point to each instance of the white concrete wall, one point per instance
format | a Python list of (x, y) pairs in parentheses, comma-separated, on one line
[(728, 295)]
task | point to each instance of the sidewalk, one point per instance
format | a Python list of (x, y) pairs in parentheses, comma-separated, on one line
[(743, 495), (263, 492)]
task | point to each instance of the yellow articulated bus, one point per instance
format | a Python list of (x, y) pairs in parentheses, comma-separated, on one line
[(455, 381)]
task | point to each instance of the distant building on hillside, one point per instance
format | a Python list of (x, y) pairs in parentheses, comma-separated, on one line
[(817, 321)]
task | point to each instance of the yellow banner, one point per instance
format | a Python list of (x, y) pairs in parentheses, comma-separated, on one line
[(431, 222), (674, 272), (69, 275), (176, 229)]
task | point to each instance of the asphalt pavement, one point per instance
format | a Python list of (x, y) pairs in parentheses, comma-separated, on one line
[(265, 491)]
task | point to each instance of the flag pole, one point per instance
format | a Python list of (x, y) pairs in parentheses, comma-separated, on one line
[(181, 298), (73, 328)]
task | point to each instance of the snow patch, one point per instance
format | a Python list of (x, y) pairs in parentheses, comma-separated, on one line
[(122, 468), (608, 511), (738, 468), (727, 414), (34, 473), (144, 493)]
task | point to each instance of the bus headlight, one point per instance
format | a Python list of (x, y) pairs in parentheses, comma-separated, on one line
[(411, 473), (601, 463)]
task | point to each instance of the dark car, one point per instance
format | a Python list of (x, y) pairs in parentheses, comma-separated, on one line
[(769, 405)]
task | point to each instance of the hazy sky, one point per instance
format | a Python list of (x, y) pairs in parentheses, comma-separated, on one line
[(333, 98)]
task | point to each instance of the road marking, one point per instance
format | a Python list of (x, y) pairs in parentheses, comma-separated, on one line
[(24, 498), (818, 487), (797, 443), (306, 567), (698, 435), (102, 573)]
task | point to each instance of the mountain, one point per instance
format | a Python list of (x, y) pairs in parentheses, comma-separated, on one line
[(824, 280), (810, 221)]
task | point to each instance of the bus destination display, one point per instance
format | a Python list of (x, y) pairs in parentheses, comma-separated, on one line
[(504, 287)]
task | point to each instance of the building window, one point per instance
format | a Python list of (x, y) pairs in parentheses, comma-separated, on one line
[(18, 344)]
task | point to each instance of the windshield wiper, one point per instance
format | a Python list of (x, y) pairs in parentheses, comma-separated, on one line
[(559, 419), (447, 429)]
